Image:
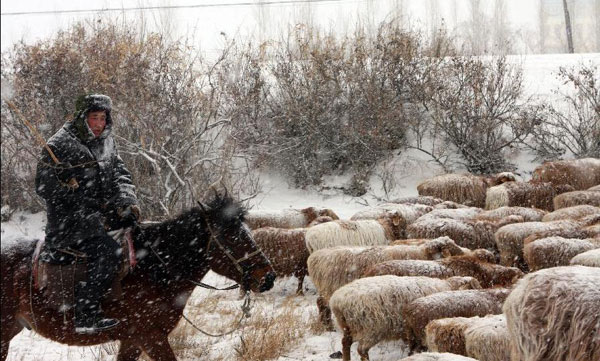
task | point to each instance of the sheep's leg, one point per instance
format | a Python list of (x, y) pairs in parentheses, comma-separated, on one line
[(346, 344), (324, 313), (363, 351), (300, 276)]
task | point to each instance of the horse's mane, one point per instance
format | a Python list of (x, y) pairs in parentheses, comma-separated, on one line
[(184, 237)]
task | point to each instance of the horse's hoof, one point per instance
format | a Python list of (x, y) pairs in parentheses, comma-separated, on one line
[(337, 354)]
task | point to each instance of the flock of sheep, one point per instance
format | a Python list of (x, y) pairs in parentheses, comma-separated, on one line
[(483, 268)]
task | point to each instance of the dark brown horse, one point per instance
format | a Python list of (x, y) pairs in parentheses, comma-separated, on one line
[(170, 255)]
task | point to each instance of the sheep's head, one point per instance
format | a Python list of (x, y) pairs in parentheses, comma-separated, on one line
[(463, 283), (396, 223), (484, 255), (443, 247), (326, 212), (506, 276)]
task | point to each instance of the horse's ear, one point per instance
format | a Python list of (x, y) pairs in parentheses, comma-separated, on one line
[(203, 207)]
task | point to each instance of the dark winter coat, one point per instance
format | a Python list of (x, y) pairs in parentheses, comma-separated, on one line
[(104, 183)]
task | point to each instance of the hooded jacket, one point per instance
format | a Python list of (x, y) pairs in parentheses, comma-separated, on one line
[(104, 183)]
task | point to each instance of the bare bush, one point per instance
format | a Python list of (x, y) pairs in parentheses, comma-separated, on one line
[(171, 125), (477, 106), (572, 124)]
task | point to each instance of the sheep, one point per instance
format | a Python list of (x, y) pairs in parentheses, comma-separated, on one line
[(466, 232), (449, 335), (437, 356), (467, 189), (488, 339), (510, 239), (468, 303), (369, 310), (552, 314), (574, 213), (590, 258), (575, 198), (528, 214), (286, 249), (556, 251), (480, 253), (356, 233), (410, 212), (331, 268), (579, 173), (524, 194), (425, 200), (287, 218), (488, 274)]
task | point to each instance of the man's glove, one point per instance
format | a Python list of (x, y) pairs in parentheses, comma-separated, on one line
[(64, 173), (129, 215)]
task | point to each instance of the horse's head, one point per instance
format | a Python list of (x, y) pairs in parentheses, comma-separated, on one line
[(232, 251)]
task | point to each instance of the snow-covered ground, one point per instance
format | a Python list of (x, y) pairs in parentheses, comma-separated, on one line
[(215, 310)]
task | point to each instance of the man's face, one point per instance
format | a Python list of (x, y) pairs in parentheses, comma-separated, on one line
[(97, 121)]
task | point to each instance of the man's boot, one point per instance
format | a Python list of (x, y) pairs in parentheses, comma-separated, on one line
[(88, 316)]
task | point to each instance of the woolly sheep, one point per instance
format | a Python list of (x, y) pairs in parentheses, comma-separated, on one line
[(410, 212), (467, 189), (575, 198), (437, 356), (287, 218), (488, 339), (579, 173), (488, 274), (466, 232), (356, 233), (524, 194), (528, 214), (589, 258), (369, 310), (556, 251), (286, 249), (552, 314), (331, 268), (510, 238), (467, 303), (425, 200), (480, 253), (574, 213), (448, 334)]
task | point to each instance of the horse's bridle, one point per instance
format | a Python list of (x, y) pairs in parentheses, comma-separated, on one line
[(246, 277)]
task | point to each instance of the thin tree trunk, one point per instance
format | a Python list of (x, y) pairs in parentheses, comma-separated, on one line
[(568, 27)]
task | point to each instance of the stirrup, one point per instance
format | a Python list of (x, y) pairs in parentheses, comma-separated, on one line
[(98, 326)]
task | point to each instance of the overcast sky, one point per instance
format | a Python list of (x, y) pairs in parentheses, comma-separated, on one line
[(205, 20)]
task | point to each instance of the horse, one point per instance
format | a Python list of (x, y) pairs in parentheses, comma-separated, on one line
[(171, 257)]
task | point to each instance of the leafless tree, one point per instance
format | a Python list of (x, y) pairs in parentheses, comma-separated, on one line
[(568, 28)]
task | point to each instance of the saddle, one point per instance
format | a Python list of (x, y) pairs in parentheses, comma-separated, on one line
[(55, 273)]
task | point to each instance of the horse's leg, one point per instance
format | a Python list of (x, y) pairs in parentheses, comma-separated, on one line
[(300, 275), (9, 330), (10, 326), (156, 345), (128, 351)]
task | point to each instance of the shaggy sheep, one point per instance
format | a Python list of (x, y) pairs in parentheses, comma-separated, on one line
[(449, 335), (510, 239), (331, 268), (524, 194), (469, 303), (488, 339), (287, 218), (356, 233), (576, 198), (480, 253), (589, 258), (552, 314), (410, 212), (488, 274), (468, 233), (286, 249), (424, 200), (574, 213), (528, 214), (579, 173), (556, 251), (467, 189), (369, 310), (436, 356)]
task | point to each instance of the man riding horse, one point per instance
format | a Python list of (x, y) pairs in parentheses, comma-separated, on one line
[(89, 192)]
